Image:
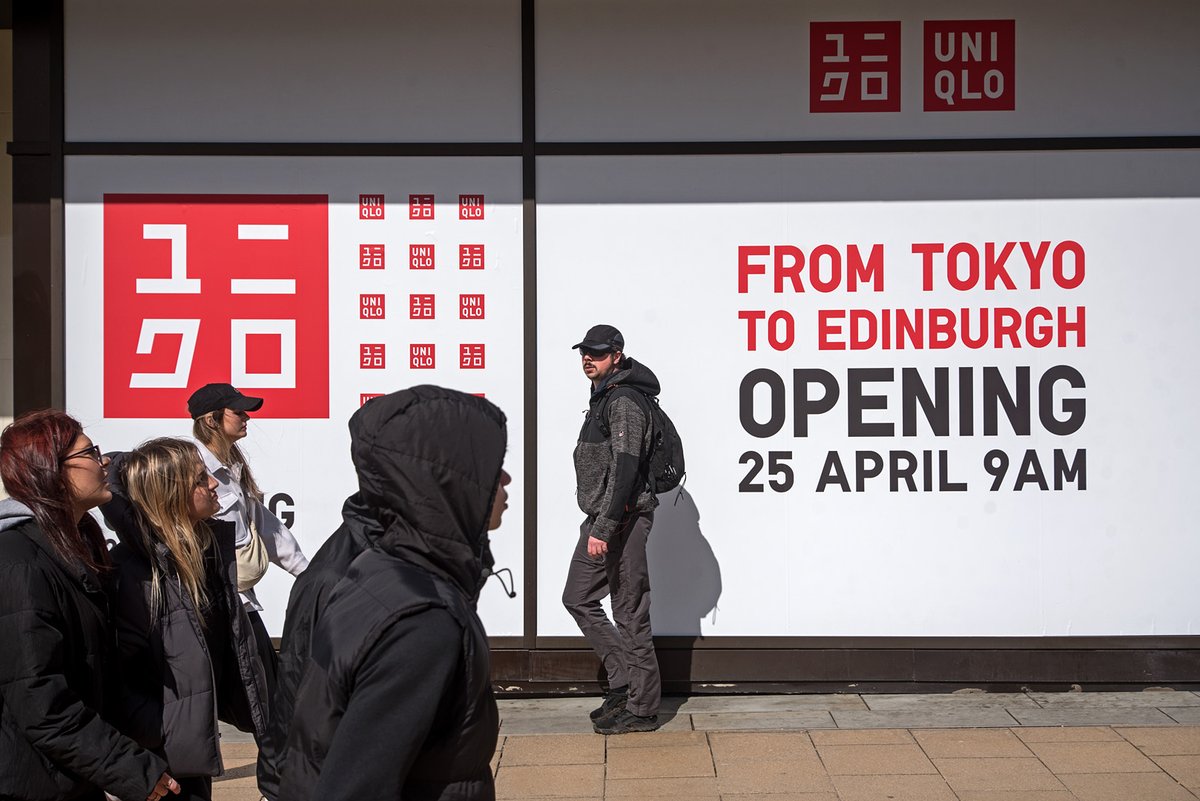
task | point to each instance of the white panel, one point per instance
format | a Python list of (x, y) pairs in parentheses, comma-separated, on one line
[(717, 70), (293, 70), (1115, 558), (309, 458)]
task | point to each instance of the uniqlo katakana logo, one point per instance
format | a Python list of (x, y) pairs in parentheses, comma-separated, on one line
[(363, 397), (470, 357), (970, 65), (370, 207), (216, 288), (854, 66), (420, 257), (470, 207), (420, 207), (470, 257), (420, 307), (370, 257), (421, 357), (371, 357), (370, 307), (470, 307)]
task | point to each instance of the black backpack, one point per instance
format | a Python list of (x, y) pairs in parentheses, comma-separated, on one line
[(664, 469)]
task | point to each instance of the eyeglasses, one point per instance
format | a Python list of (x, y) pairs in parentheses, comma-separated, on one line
[(93, 452), (592, 353)]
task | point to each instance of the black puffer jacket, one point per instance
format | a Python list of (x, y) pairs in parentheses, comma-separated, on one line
[(171, 701), (394, 697), (56, 657)]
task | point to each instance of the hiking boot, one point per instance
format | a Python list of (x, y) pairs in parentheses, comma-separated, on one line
[(614, 701), (624, 722)]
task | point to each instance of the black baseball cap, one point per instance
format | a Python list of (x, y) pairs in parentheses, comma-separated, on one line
[(211, 397), (602, 337)]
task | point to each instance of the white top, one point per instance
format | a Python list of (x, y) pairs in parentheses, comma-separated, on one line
[(237, 508)]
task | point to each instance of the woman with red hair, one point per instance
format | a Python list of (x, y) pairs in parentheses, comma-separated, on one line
[(56, 626)]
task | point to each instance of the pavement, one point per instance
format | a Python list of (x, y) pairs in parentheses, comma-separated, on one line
[(963, 746)]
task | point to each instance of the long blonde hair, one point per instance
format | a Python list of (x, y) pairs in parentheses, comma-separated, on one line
[(210, 429), (160, 477)]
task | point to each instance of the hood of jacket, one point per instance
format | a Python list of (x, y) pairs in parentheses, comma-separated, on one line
[(13, 513), (428, 461), (633, 374)]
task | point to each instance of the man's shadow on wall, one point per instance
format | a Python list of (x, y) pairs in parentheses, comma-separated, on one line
[(685, 579)]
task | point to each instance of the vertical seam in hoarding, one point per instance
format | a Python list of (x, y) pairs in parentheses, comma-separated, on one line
[(58, 208), (529, 262)]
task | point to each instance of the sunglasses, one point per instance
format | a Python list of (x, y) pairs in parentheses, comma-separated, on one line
[(595, 354), (93, 452)]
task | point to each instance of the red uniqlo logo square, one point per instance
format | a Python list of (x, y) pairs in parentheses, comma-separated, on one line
[(420, 307), (370, 207), (470, 307), (363, 397), (970, 65), (371, 357), (420, 257), (420, 207), (470, 207), (216, 288), (370, 257), (854, 66), (370, 307), (421, 357), (470, 357), (470, 257)]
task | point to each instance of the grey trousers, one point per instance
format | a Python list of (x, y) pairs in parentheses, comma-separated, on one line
[(627, 650)]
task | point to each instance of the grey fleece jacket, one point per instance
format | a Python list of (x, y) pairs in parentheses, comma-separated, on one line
[(611, 453)]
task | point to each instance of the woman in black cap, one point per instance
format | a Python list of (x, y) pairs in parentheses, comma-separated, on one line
[(219, 414)]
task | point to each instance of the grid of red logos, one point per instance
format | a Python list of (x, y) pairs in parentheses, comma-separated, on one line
[(968, 65), (421, 349), (215, 288)]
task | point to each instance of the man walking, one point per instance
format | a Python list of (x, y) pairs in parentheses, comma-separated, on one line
[(613, 490)]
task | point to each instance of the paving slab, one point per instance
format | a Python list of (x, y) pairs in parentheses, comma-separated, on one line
[(861, 737), (971, 743), (972, 774), (643, 739), (928, 718), (892, 788), (1155, 698), (771, 703), (1185, 769), (1093, 758), (866, 760), (668, 762), (786, 776), (757, 746), (763, 721), (565, 781), (1187, 715), (1126, 787), (1105, 716), (1017, 795), (703, 788), (1164, 741), (1066, 734), (888, 702), (562, 749)]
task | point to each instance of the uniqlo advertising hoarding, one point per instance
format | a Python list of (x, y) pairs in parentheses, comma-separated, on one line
[(308, 283), (920, 395)]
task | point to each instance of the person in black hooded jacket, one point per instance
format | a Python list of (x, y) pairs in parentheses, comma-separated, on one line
[(384, 688), (188, 651)]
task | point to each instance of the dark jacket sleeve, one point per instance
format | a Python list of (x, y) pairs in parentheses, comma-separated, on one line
[(138, 711), (627, 429), (407, 673), (53, 718)]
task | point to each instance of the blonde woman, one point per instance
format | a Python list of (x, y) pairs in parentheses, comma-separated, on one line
[(219, 414), (188, 652)]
